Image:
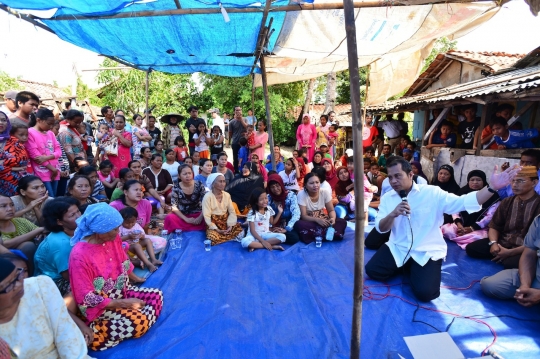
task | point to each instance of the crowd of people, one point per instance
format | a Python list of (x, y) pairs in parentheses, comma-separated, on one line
[(81, 200)]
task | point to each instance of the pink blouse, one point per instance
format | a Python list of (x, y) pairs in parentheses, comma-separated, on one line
[(262, 139), (43, 144), (98, 273)]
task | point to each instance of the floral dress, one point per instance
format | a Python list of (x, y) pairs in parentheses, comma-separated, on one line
[(138, 144), (99, 274), (13, 154), (190, 206)]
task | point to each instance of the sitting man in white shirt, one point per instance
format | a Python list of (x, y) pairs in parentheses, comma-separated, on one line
[(416, 242)]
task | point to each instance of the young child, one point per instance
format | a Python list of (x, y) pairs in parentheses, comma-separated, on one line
[(181, 150), (16, 157), (259, 219), (506, 138), (101, 137), (369, 190), (243, 153), (288, 175), (195, 158), (250, 136), (106, 177), (202, 141), (442, 138), (132, 233), (218, 140), (124, 175), (324, 149), (332, 136)]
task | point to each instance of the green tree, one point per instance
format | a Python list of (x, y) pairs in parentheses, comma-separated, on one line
[(344, 89), (8, 83), (125, 89), (442, 45), (227, 92)]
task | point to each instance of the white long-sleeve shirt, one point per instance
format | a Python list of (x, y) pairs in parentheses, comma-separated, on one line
[(428, 204)]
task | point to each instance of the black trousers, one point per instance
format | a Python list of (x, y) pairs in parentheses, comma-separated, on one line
[(480, 249), (292, 237), (375, 240), (235, 149), (425, 281)]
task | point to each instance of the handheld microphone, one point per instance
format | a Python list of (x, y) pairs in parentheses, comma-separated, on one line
[(403, 196)]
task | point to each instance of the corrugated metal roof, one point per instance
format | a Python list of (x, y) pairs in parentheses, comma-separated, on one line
[(512, 81)]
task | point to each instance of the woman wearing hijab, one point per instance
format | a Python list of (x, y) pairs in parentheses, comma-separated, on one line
[(445, 179), (241, 187), (331, 175), (417, 169), (469, 227), (34, 319), (219, 213), (99, 272), (278, 196), (306, 134)]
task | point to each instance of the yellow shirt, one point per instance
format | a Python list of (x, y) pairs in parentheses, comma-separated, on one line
[(210, 206)]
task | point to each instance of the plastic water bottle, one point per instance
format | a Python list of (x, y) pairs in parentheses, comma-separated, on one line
[(318, 241), (177, 242), (330, 233), (207, 245)]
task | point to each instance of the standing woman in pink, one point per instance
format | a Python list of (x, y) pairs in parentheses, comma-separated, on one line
[(44, 150), (306, 134), (261, 139), (122, 139)]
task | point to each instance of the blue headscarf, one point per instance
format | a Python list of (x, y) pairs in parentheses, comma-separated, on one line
[(98, 218)]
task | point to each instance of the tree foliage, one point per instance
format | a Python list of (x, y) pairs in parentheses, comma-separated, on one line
[(227, 92), (126, 89), (8, 83), (442, 45)]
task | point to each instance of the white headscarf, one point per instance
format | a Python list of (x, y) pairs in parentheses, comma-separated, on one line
[(211, 178)]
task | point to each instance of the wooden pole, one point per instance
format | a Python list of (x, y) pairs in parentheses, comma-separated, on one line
[(354, 78), (146, 95), (367, 88), (231, 10), (268, 115)]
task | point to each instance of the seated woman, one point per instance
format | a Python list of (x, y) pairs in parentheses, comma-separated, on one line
[(160, 179), (241, 187), (52, 255), (261, 169), (150, 192), (317, 212), (18, 233), (446, 181), (417, 169), (80, 188), (52, 333), (205, 169), (98, 189), (31, 199), (99, 270), (187, 199), (146, 157), (470, 227), (279, 196), (316, 161), (171, 165), (124, 175), (222, 161), (219, 213)]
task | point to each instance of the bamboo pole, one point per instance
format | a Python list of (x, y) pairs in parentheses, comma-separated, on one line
[(354, 76), (268, 115), (294, 7), (146, 96), (367, 88)]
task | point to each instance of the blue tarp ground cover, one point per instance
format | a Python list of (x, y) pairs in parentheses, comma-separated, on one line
[(229, 303)]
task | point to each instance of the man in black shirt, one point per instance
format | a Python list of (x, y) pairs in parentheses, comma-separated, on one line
[(192, 124), (153, 131)]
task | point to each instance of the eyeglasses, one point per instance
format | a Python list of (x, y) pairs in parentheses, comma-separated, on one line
[(519, 181), (10, 286)]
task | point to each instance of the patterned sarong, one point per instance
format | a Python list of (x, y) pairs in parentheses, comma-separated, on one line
[(236, 233)]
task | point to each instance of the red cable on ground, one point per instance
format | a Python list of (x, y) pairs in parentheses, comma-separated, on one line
[(369, 295)]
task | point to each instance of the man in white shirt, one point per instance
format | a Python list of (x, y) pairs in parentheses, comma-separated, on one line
[(416, 242), (217, 120), (393, 129)]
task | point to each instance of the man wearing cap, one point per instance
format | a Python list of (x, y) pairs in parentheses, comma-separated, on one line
[(217, 120), (510, 223), (530, 157), (27, 104), (11, 106), (192, 124)]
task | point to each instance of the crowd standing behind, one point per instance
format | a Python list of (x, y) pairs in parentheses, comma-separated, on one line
[(83, 220)]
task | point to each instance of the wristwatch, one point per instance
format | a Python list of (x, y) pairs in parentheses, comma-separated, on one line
[(492, 243), (492, 191)]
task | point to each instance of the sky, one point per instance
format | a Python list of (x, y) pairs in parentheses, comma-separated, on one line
[(46, 58)]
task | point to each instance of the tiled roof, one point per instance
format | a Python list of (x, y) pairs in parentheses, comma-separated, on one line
[(43, 91), (489, 61)]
